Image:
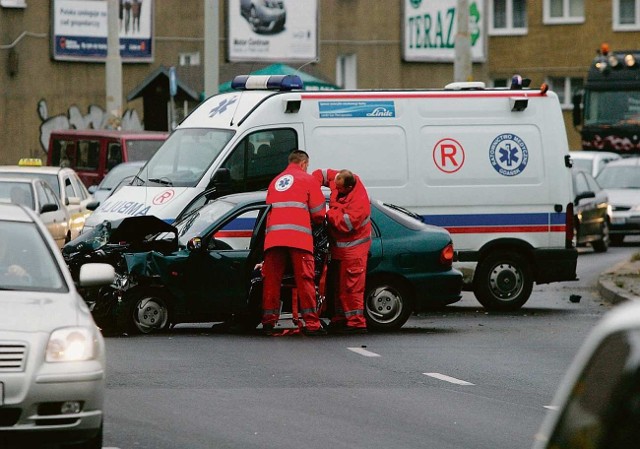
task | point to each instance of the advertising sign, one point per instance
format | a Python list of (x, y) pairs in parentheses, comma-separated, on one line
[(80, 30), (274, 30), (430, 28)]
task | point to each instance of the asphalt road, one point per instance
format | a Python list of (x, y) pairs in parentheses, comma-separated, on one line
[(460, 378)]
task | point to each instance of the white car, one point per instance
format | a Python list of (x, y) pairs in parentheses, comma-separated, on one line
[(621, 180), (52, 355), (598, 402), (592, 161), (65, 182)]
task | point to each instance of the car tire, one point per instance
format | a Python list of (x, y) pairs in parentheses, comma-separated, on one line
[(144, 311), (503, 281), (616, 239), (93, 443), (388, 304), (602, 245)]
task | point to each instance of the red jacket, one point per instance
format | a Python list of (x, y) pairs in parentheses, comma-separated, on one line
[(296, 199), (349, 218)]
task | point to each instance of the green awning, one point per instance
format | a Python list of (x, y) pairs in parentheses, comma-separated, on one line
[(310, 82)]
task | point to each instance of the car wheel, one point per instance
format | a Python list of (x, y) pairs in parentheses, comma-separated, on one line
[(616, 239), (602, 245), (93, 443), (387, 305), (503, 281), (144, 311)]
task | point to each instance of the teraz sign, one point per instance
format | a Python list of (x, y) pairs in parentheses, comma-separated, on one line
[(430, 28)]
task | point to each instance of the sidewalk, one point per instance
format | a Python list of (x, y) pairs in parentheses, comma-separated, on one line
[(621, 282)]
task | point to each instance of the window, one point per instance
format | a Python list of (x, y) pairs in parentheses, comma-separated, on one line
[(563, 11), (507, 17), (189, 58), (626, 15), (565, 88), (88, 155)]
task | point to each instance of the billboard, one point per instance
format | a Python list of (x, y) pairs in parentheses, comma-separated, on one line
[(430, 28), (273, 30), (80, 30)]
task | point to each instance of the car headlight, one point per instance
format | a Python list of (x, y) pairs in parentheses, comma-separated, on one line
[(71, 344)]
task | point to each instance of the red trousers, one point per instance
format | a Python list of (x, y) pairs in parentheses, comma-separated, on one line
[(275, 262), (347, 278)]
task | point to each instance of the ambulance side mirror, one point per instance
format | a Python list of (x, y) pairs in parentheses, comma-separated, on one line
[(221, 182)]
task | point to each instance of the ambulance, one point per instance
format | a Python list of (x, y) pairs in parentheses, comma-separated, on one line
[(491, 165)]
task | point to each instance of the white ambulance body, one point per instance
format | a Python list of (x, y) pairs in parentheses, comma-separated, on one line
[(489, 165)]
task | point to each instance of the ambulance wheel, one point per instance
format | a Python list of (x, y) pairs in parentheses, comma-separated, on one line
[(503, 281), (387, 305), (144, 311)]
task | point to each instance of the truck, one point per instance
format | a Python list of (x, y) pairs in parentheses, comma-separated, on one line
[(607, 112), (490, 165)]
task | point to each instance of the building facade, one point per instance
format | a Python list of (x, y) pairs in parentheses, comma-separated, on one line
[(364, 44)]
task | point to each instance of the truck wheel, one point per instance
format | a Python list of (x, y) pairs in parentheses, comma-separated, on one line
[(143, 312), (503, 281), (387, 305), (602, 245)]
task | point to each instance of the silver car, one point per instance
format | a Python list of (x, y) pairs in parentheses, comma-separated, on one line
[(52, 355)]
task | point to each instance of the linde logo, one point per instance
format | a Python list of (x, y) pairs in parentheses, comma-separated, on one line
[(380, 112)]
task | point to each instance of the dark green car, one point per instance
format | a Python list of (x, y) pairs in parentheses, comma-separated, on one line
[(209, 278)]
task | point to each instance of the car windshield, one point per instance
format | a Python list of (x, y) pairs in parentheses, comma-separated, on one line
[(193, 224), (620, 177), (612, 107), (185, 157), (17, 193), (51, 179), (26, 261), (117, 174), (142, 150), (401, 215)]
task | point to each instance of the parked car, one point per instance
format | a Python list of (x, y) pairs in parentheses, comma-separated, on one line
[(597, 404), (92, 153), (37, 195), (64, 181), (621, 180), (208, 276), (121, 171), (592, 213), (592, 161), (52, 355), (264, 16)]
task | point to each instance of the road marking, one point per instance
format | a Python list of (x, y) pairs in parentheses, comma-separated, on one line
[(364, 352), (453, 380), (552, 407)]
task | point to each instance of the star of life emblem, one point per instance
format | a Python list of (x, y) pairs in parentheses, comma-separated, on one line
[(284, 183)]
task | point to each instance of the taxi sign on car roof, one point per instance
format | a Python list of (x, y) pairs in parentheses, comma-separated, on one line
[(30, 162)]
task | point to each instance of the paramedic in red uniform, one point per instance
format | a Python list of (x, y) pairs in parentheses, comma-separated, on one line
[(296, 201), (349, 225)]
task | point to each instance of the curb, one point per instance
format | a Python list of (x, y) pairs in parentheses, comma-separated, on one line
[(625, 273)]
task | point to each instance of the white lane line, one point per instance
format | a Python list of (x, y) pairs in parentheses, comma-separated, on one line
[(552, 407), (453, 380), (364, 352)]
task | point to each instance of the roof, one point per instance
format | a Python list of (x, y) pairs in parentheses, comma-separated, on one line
[(625, 162), (48, 170), (161, 76), (13, 212), (112, 133)]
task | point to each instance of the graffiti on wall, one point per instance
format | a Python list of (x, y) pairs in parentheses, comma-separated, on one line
[(96, 118)]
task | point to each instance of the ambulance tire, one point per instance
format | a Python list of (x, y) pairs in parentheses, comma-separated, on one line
[(387, 304), (144, 311), (503, 281)]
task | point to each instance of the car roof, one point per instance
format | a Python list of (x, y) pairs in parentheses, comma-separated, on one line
[(627, 161), (35, 169), (8, 178), (14, 212), (584, 154)]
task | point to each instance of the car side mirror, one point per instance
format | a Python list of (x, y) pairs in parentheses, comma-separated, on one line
[(49, 207), (583, 196), (93, 205), (194, 244), (92, 189), (221, 182)]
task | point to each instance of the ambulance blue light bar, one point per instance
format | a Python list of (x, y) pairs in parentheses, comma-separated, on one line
[(270, 82)]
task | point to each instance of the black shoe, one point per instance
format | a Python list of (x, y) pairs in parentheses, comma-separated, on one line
[(314, 333), (348, 330), (335, 327), (267, 329)]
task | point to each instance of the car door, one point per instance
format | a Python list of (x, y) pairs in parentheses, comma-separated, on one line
[(217, 276), (585, 208), (57, 221)]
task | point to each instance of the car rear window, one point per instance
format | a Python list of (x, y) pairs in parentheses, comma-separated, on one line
[(400, 214)]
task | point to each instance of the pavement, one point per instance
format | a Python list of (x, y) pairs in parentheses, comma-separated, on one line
[(621, 282)]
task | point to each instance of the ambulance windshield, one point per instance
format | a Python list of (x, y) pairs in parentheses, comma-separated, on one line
[(184, 158)]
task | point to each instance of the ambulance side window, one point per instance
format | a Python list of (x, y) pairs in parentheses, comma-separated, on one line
[(259, 157)]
